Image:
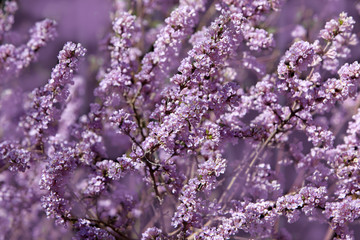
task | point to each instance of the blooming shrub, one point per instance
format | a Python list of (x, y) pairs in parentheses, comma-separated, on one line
[(192, 119)]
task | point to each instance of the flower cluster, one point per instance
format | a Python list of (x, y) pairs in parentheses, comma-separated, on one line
[(191, 119)]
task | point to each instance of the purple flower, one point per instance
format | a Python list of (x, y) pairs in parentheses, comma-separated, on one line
[(297, 59), (48, 101)]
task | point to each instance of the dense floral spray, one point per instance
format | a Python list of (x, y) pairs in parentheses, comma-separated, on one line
[(179, 119)]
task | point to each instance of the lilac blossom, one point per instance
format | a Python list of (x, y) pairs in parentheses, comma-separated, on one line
[(7, 17), (14, 59), (339, 34), (48, 101), (297, 59), (86, 231), (13, 155), (192, 119)]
